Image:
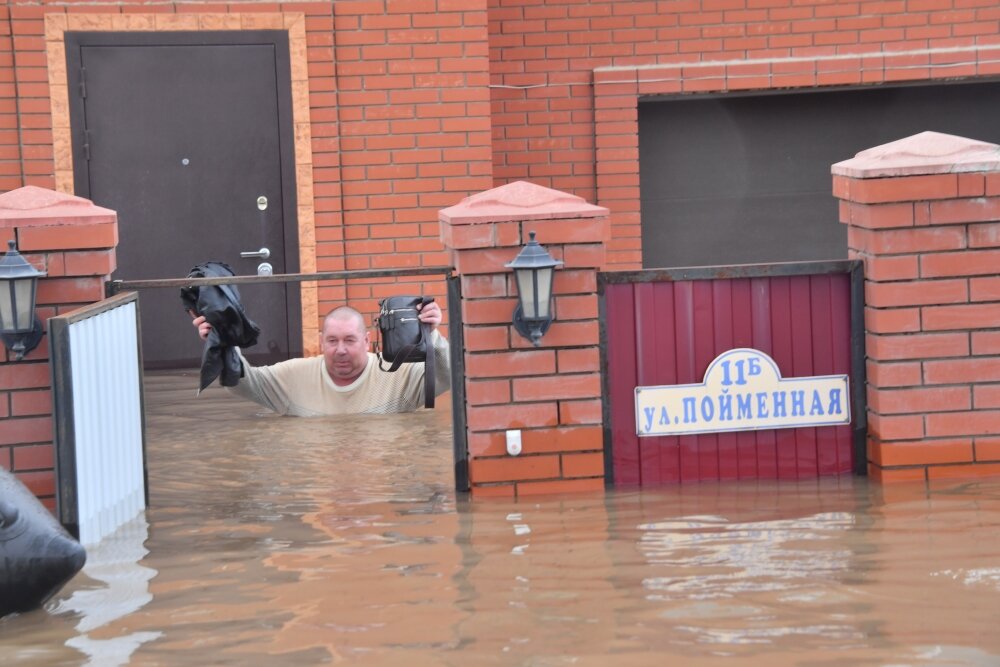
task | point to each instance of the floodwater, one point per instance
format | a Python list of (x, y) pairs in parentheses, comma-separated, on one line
[(285, 541)]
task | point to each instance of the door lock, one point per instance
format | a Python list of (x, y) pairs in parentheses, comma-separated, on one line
[(262, 202), (265, 269), (263, 253)]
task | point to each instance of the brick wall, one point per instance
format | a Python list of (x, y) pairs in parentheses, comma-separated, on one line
[(73, 242), (413, 104), (924, 215), (551, 393), (402, 113), (10, 146), (398, 116), (569, 73), (408, 83)]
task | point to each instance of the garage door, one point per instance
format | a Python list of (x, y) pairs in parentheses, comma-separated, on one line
[(733, 179)]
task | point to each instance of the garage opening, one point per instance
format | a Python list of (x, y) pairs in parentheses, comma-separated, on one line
[(745, 178)]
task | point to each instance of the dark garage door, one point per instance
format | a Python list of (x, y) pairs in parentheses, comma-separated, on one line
[(740, 179)]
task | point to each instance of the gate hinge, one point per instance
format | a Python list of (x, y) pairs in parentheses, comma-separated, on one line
[(86, 145), (83, 82)]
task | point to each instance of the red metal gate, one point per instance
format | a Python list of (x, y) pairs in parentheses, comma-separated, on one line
[(664, 327)]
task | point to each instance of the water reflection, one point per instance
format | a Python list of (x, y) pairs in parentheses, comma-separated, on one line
[(758, 556), (274, 541), (764, 564), (115, 564)]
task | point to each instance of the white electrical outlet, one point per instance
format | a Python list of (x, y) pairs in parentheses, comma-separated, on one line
[(514, 442)]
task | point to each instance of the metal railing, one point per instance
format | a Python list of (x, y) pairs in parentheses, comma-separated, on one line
[(113, 287)]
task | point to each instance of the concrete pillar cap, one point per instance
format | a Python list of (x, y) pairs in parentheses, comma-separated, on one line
[(32, 205), (924, 153), (519, 200)]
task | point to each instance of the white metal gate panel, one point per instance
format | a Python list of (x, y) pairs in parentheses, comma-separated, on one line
[(99, 422)]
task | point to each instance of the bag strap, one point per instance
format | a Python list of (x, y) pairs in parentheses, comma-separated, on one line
[(396, 361), (429, 364), (402, 354)]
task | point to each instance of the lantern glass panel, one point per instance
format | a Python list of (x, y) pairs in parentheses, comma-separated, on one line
[(24, 318), (526, 292), (544, 292), (6, 306)]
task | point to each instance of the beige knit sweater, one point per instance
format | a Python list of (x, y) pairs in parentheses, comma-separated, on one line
[(303, 388)]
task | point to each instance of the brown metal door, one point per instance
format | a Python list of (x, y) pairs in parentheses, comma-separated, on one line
[(186, 135), (666, 327)]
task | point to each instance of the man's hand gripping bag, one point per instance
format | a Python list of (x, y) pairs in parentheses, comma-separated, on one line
[(402, 338)]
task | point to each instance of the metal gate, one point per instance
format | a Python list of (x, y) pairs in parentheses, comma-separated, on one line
[(665, 326), (455, 335), (100, 433)]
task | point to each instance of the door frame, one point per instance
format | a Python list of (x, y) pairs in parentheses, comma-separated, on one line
[(853, 267), (279, 40)]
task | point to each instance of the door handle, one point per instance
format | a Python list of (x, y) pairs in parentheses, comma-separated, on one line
[(263, 253)]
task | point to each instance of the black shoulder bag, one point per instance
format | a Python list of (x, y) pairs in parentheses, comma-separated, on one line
[(401, 338)]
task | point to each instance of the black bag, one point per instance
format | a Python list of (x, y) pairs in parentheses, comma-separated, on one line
[(221, 306), (401, 338)]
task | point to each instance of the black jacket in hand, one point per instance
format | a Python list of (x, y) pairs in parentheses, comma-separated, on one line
[(220, 304)]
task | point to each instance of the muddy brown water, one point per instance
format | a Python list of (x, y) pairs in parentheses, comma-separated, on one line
[(284, 541)]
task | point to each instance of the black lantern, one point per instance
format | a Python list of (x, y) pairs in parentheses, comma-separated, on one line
[(533, 269), (20, 328)]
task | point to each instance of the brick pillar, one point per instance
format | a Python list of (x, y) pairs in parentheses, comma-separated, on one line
[(924, 215), (73, 241), (551, 393)]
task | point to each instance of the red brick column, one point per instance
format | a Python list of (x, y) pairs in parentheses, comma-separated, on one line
[(924, 215), (74, 242), (551, 393)]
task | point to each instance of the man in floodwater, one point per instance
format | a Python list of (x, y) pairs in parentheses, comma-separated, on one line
[(345, 378)]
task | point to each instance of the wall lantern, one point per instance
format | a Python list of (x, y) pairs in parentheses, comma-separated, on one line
[(20, 328), (533, 268)]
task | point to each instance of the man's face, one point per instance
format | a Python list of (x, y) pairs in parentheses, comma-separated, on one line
[(345, 348)]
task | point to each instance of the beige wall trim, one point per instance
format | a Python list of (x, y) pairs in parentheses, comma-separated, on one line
[(56, 25)]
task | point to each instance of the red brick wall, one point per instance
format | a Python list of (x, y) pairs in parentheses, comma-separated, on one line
[(11, 169), (77, 256), (551, 393), (24, 100), (399, 110), (563, 125), (26, 446), (930, 240), (402, 114), (407, 82), (414, 104)]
